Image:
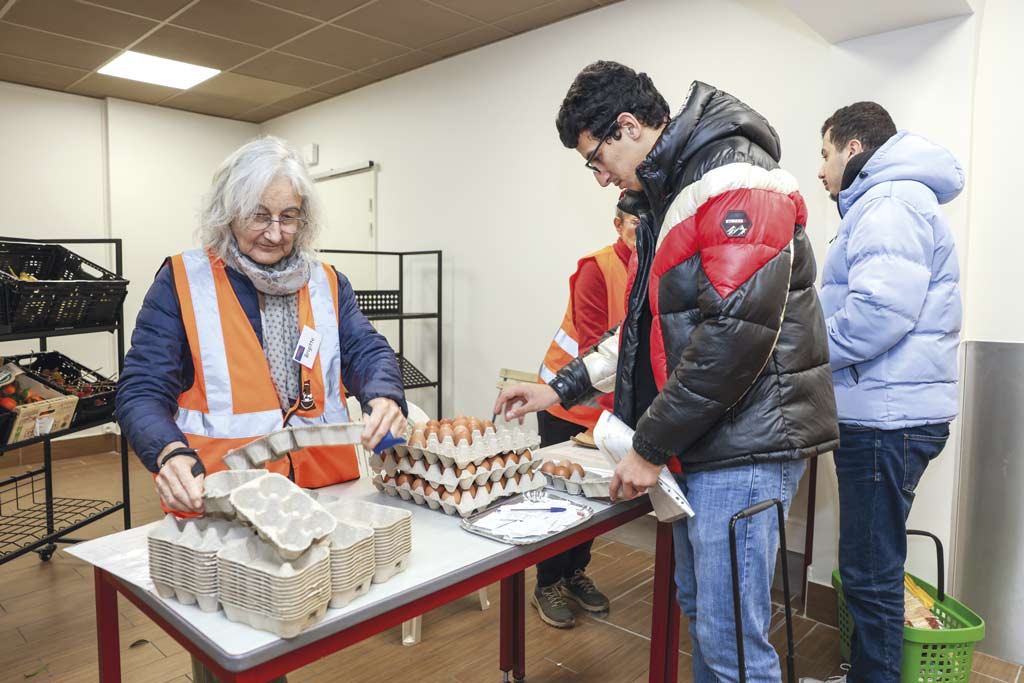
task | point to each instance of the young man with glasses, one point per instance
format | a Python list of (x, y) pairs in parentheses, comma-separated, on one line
[(721, 363), (597, 300)]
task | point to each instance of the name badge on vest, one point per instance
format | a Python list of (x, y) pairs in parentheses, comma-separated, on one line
[(308, 347)]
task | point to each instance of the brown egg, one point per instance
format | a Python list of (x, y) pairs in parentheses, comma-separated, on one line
[(445, 432), (429, 490), (576, 468), (476, 425), (488, 487), (526, 456), (511, 459), (420, 426), (561, 471), (489, 425), (431, 432), (385, 478), (471, 491), (433, 424), (497, 463), (452, 496), (517, 478), (548, 467), (418, 440), (446, 421), (460, 421), (403, 480), (471, 468), (461, 433), (417, 484)]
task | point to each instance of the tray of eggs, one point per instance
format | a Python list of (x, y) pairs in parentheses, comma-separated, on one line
[(460, 441), (494, 468), (457, 500), (574, 479)]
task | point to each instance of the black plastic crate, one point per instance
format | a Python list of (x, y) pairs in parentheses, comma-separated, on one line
[(94, 403), (69, 292)]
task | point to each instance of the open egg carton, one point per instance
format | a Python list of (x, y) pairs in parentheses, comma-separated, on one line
[(276, 445), (392, 532), (183, 558), (463, 440), (282, 514), (259, 589), (574, 479), (463, 502), (492, 469)]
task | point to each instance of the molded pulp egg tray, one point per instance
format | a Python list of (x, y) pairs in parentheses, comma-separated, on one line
[(273, 557), (276, 445)]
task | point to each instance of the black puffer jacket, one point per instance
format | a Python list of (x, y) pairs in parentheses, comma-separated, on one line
[(722, 359)]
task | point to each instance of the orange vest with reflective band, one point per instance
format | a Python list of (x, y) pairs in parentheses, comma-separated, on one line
[(233, 400), (565, 346)]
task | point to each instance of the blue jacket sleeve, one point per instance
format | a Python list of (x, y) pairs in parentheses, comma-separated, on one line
[(889, 251), (368, 365), (154, 372)]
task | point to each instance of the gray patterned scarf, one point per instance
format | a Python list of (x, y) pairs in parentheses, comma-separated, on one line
[(279, 283)]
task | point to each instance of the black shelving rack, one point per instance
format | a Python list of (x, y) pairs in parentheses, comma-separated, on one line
[(31, 518), (389, 304)]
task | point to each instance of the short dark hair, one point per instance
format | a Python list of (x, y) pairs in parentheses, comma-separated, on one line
[(601, 92), (868, 122)]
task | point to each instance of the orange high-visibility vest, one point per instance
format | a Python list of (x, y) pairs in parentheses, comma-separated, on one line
[(233, 400), (565, 346)]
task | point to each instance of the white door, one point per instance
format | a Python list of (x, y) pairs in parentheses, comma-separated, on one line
[(349, 204)]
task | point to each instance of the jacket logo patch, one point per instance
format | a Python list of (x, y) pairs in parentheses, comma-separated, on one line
[(736, 224)]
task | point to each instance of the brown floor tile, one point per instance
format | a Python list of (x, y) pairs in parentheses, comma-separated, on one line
[(995, 668)]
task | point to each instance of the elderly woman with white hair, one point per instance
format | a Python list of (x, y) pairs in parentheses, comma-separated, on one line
[(251, 333)]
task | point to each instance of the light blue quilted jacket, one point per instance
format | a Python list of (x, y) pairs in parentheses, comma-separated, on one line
[(890, 289)]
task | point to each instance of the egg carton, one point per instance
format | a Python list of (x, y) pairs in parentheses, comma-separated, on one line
[(283, 514), (392, 531), (467, 504), (492, 442), (281, 627), (183, 558), (217, 488), (276, 445), (451, 477), (593, 484), (353, 563)]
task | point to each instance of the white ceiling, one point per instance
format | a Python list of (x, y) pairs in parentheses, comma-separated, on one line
[(839, 20)]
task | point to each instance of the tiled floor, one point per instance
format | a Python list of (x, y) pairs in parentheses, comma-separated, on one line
[(47, 627)]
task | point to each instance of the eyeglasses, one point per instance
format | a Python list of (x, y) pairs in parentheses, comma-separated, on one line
[(589, 163), (289, 221)]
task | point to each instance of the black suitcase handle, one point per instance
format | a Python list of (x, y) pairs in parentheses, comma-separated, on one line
[(743, 514)]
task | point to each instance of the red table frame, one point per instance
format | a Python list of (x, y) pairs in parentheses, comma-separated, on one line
[(664, 618)]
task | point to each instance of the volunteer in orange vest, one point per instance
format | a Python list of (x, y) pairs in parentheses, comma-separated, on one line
[(597, 301), (249, 333)]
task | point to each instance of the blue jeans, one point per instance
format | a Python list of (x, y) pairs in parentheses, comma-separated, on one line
[(878, 471), (704, 574)]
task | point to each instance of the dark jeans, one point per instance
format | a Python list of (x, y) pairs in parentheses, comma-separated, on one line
[(878, 471), (556, 430)]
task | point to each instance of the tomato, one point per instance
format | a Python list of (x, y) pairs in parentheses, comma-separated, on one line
[(9, 388), (8, 403)]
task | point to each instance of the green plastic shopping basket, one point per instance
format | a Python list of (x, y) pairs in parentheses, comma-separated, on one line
[(929, 656)]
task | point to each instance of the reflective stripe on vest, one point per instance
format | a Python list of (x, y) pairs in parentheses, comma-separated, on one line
[(565, 345)]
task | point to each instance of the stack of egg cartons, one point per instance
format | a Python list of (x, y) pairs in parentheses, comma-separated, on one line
[(392, 532), (352, 563), (283, 597), (183, 558), (281, 581)]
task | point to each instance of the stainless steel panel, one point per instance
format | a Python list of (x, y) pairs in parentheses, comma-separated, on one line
[(989, 554)]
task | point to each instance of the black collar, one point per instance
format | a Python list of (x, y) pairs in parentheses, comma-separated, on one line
[(855, 166)]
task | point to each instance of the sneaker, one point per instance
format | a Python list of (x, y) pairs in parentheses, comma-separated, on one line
[(831, 679), (551, 606), (580, 589)]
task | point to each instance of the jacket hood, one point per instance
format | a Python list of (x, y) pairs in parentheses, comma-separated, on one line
[(708, 115), (906, 156)]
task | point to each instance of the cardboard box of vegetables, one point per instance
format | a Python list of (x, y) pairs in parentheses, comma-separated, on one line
[(29, 408)]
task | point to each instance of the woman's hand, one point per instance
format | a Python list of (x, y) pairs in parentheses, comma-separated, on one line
[(178, 489), (386, 416)]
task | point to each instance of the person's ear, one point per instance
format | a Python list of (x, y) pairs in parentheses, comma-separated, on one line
[(617, 222), (853, 148), (629, 125)]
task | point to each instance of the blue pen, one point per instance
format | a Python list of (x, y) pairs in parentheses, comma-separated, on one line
[(538, 509)]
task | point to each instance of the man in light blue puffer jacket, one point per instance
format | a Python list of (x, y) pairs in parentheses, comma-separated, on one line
[(891, 298)]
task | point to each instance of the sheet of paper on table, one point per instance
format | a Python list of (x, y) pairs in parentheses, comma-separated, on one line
[(529, 520)]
